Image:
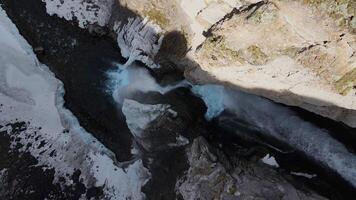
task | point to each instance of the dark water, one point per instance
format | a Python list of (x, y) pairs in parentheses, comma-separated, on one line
[(80, 60), (327, 183)]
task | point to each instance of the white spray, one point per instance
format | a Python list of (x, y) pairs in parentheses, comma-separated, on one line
[(127, 80)]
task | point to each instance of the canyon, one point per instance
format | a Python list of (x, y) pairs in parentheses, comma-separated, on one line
[(177, 99)]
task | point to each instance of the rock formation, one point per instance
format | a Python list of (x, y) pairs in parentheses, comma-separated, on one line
[(213, 177), (299, 53), (153, 125)]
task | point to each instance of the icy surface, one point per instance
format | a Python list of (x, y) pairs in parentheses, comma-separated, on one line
[(139, 39), (29, 92), (282, 123), (84, 11)]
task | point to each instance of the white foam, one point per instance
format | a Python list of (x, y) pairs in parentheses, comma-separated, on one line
[(30, 92), (127, 80)]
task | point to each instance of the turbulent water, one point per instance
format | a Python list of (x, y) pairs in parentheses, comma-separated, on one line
[(86, 135), (283, 124), (125, 81)]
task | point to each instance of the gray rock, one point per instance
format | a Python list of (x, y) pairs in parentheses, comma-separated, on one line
[(153, 126), (212, 177)]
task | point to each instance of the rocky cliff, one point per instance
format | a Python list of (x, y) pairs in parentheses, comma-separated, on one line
[(296, 52)]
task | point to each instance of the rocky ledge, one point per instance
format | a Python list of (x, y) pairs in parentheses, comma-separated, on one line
[(296, 52), (215, 177)]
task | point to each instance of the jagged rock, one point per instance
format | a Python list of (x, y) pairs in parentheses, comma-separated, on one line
[(153, 126), (209, 178), (287, 52), (299, 53), (139, 40)]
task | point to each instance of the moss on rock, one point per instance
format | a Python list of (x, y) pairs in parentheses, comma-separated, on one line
[(157, 16), (255, 55), (216, 47), (346, 83), (266, 14), (342, 11)]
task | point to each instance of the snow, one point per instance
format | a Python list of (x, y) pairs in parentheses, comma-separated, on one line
[(310, 176), (138, 115), (281, 123), (30, 92), (270, 160), (84, 11), (139, 39), (124, 183)]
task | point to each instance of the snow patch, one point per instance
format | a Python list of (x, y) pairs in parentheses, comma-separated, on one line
[(86, 12), (30, 92), (122, 183), (310, 176), (270, 160)]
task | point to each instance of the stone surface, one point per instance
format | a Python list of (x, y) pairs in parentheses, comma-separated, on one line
[(296, 52), (213, 177), (153, 126)]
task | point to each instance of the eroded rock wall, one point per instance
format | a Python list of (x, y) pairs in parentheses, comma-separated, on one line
[(299, 53)]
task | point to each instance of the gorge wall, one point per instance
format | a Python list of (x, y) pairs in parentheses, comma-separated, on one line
[(299, 53), (135, 127)]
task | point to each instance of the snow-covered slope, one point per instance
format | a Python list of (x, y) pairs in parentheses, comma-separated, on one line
[(29, 92)]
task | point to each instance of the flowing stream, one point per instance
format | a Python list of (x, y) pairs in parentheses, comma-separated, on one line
[(97, 82)]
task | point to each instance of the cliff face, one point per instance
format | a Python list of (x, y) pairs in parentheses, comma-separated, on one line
[(299, 53)]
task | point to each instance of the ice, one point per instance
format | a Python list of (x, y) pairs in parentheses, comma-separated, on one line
[(86, 12), (29, 92), (310, 176), (124, 183)]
